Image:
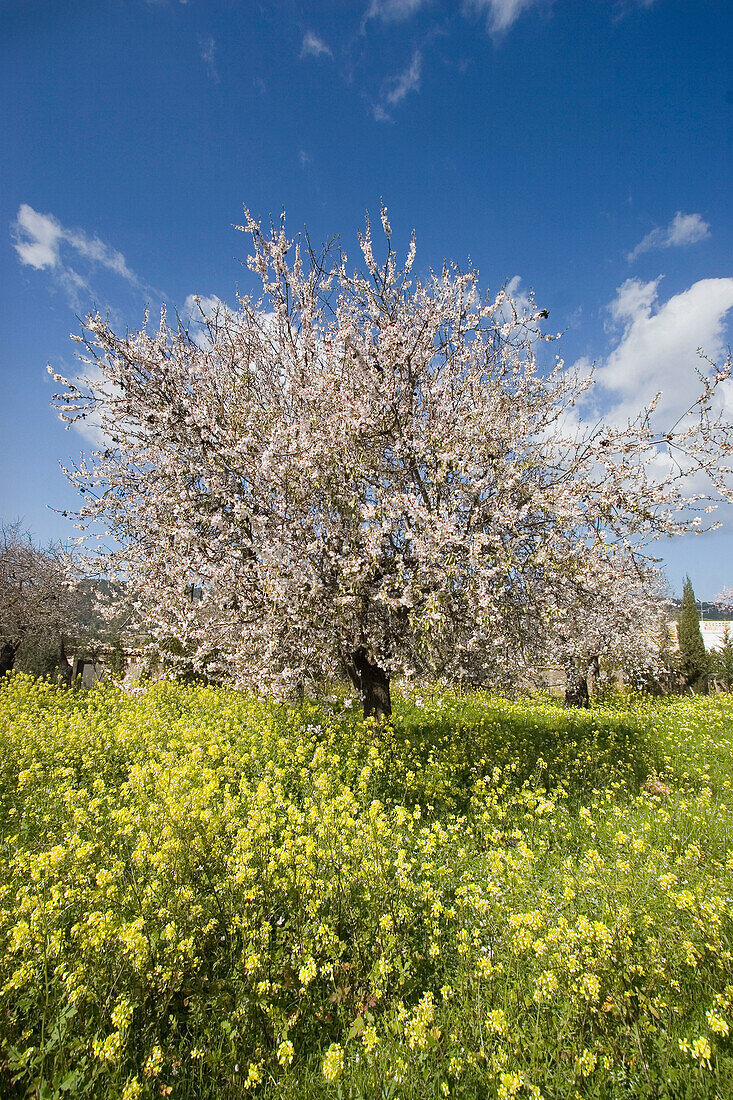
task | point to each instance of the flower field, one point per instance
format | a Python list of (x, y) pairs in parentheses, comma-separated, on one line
[(208, 895)]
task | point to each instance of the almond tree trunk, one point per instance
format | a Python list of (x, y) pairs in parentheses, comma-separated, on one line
[(372, 683), (64, 664), (7, 657), (576, 690)]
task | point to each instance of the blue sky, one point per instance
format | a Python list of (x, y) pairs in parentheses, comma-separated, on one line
[(579, 147)]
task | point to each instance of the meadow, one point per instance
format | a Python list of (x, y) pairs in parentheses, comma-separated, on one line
[(204, 894)]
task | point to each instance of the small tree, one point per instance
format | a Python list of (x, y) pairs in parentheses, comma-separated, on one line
[(38, 603), (663, 678), (694, 664), (613, 620), (368, 472), (725, 597)]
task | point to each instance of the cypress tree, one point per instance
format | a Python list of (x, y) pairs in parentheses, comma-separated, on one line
[(693, 658)]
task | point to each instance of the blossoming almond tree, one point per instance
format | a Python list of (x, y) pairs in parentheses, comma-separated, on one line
[(363, 471), (38, 601), (725, 597), (615, 614)]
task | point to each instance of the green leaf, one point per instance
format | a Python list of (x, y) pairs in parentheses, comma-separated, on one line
[(356, 1029), (69, 1082)]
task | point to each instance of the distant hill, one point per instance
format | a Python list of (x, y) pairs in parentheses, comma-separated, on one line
[(713, 611)]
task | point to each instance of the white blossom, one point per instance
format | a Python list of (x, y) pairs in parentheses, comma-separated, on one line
[(371, 462)]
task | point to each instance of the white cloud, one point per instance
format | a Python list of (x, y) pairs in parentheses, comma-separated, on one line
[(100, 253), (633, 300), (684, 229), (313, 46), (397, 87), (199, 306), (501, 14), (687, 229), (76, 287), (659, 345), (517, 294), (38, 238), (407, 81), (39, 243), (392, 11), (207, 49)]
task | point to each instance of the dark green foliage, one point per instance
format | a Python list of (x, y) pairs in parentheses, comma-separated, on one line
[(664, 680), (694, 662), (43, 656), (117, 661)]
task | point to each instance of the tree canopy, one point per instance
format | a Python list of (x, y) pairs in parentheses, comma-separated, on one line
[(39, 603), (367, 470)]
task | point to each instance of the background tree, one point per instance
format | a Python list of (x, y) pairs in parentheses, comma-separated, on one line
[(725, 597), (39, 604), (664, 677), (612, 622), (367, 472), (722, 658), (104, 623), (694, 664)]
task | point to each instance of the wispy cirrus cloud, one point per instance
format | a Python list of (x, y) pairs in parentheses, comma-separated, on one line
[(398, 86), (684, 229), (500, 14), (406, 81), (207, 49), (43, 243), (393, 11), (313, 46)]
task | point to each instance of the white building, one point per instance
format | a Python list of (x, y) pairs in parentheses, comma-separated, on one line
[(712, 631)]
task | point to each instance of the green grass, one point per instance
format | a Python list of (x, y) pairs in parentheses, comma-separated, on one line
[(208, 895)]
